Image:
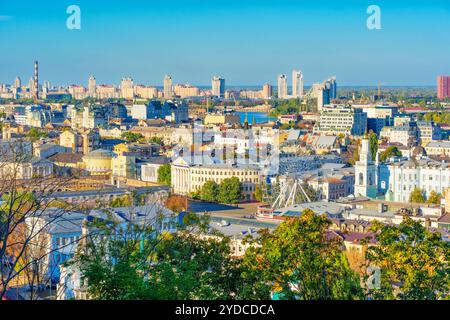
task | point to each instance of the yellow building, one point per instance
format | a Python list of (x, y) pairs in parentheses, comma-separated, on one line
[(84, 142), (186, 91), (222, 119), (70, 140), (99, 162), (146, 92), (139, 149), (187, 178), (124, 166), (121, 148)]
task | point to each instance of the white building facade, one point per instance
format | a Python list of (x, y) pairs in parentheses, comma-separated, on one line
[(425, 174)]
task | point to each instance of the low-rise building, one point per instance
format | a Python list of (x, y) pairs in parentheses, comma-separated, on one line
[(428, 132), (219, 119), (341, 119), (438, 148), (99, 162), (188, 177), (425, 174), (26, 168), (149, 169), (403, 134), (46, 150)]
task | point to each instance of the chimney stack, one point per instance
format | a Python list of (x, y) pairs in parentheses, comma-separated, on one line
[(36, 81)]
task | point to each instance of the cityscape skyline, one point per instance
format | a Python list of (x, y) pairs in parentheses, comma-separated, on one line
[(195, 40)]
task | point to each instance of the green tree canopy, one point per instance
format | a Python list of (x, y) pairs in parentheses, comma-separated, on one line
[(164, 174), (132, 137), (35, 134), (414, 262), (434, 197), (258, 194), (157, 140), (299, 261), (373, 143), (417, 196), (138, 262), (210, 191), (391, 151), (230, 191), (282, 107)]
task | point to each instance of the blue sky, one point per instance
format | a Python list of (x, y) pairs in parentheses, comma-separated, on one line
[(248, 42)]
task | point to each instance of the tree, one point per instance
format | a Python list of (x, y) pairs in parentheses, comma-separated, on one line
[(132, 137), (157, 140), (413, 262), (416, 196), (258, 194), (230, 191), (281, 107), (210, 191), (193, 268), (27, 202), (373, 143), (35, 134), (391, 151), (176, 203), (354, 157), (122, 201), (136, 261), (434, 197), (164, 174), (300, 261)]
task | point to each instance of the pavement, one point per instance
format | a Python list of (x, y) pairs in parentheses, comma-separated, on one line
[(233, 214)]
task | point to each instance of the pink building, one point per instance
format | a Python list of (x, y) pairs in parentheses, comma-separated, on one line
[(443, 84)]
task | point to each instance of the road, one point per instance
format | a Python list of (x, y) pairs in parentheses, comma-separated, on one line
[(233, 214)]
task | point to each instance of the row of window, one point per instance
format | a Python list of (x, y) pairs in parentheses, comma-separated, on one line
[(424, 177), (246, 188), (218, 180), (63, 241), (226, 173), (425, 188)]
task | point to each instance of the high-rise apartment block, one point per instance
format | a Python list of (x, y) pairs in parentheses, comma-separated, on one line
[(331, 85), (127, 88), (443, 87), (168, 88), (92, 83), (282, 87), (297, 84), (267, 91), (218, 87)]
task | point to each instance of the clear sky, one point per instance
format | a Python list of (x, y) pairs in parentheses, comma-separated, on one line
[(248, 42)]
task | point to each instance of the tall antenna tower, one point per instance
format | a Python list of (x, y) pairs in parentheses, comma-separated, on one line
[(379, 91), (36, 82)]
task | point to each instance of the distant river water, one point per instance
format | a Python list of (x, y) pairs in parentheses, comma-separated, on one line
[(258, 117)]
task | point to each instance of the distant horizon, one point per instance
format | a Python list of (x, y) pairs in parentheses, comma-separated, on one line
[(228, 86), (244, 41)]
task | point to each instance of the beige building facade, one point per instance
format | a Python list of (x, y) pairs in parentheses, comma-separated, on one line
[(187, 178)]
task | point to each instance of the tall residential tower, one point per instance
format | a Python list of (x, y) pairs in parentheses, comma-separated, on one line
[(282, 87), (218, 87), (443, 87), (168, 88), (92, 83), (297, 84)]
